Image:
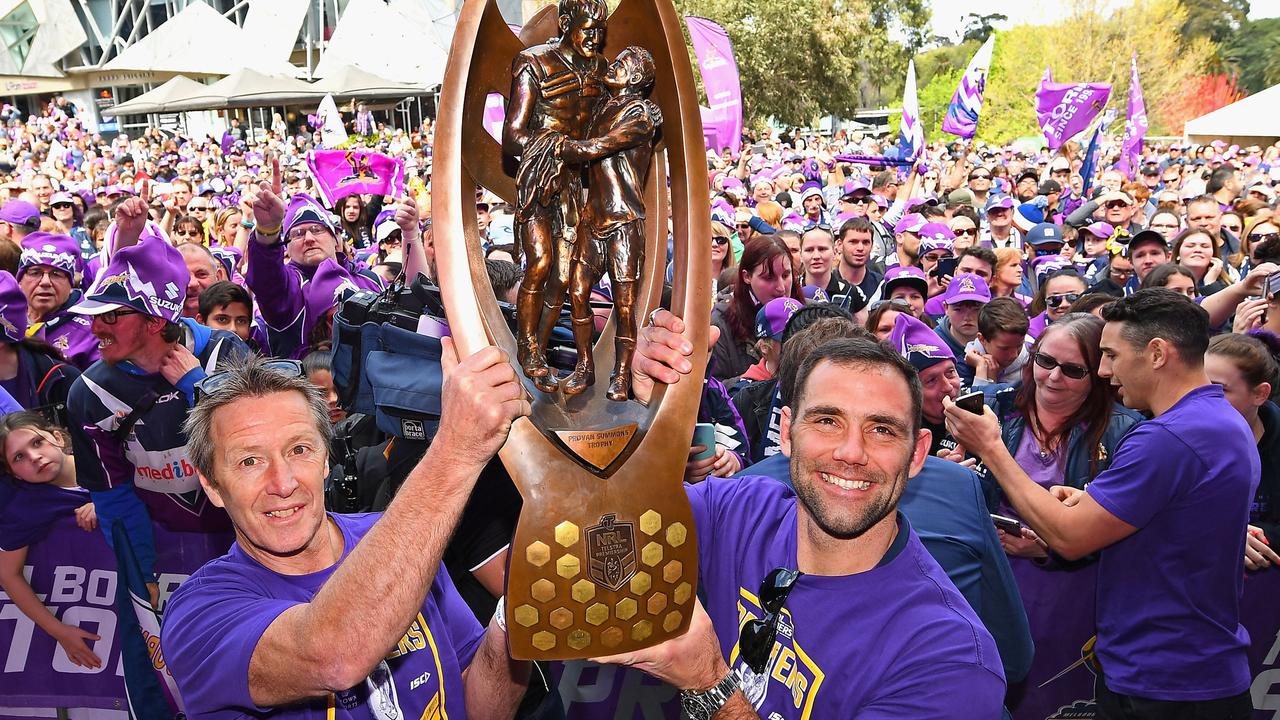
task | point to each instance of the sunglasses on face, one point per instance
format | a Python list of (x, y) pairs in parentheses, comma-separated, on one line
[(719, 241), (197, 208), (211, 383), (1056, 300), (981, 176), (1263, 237), (966, 231), (757, 636), (1049, 362), (1116, 204), (744, 226), (61, 206), (111, 316)]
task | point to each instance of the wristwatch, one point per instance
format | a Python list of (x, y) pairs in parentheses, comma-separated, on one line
[(704, 705)]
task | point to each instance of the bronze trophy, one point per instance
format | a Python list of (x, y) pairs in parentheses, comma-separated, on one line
[(602, 151)]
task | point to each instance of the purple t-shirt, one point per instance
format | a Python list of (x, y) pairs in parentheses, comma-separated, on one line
[(1168, 595), (31, 509), (215, 619), (918, 648)]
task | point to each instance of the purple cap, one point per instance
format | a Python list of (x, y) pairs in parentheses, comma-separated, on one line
[(304, 209), (60, 197), (732, 183), (150, 277), (13, 309), (917, 343), (328, 287), (904, 275), (228, 256), (967, 287), (999, 201), (1046, 264), (1099, 230), (21, 212), (57, 251), (814, 293), (936, 236), (854, 186), (911, 222), (880, 201)]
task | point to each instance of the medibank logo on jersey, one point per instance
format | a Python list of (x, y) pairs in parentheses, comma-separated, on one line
[(167, 471), (173, 471)]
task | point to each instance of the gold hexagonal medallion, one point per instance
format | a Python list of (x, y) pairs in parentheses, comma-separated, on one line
[(579, 639), (566, 533), (561, 618), (544, 640), (625, 609), (526, 615), (657, 603), (641, 582), (538, 553), (611, 637), (583, 590), (651, 554), (597, 613), (568, 566), (676, 534), (682, 593), (671, 621), (671, 572), (650, 522), (542, 590), (641, 630)]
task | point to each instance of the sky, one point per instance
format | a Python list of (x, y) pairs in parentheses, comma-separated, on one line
[(948, 16)]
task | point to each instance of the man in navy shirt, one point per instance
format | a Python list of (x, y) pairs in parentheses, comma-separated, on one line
[(1169, 517)]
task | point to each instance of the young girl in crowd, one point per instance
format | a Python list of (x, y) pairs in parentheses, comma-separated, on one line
[(1057, 291), (765, 273), (36, 455)]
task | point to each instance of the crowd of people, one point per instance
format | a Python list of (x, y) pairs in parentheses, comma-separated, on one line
[(921, 378)]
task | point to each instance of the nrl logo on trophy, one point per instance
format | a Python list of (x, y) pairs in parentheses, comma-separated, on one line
[(601, 155)]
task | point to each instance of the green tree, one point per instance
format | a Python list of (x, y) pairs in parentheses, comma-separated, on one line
[(1252, 53), (979, 27), (1216, 20)]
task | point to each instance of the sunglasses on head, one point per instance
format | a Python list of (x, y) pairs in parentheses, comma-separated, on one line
[(817, 226), (1056, 300), (1071, 370), (757, 636), (211, 383), (895, 303)]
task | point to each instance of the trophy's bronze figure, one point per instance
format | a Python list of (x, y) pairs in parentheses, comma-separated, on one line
[(599, 165), (619, 149), (554, 89)]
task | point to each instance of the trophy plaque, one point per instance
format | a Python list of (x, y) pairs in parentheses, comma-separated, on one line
[(601, 156)]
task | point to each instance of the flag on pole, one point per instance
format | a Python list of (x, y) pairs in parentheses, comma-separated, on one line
[(720, 79), (339, 173), (1135, 128), (911, 136), (966, 104), (332, 133), (149, 686), (1064, 110), (1090, 164)]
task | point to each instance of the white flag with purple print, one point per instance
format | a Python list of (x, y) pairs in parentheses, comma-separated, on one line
[(966, 103), (911, 138)]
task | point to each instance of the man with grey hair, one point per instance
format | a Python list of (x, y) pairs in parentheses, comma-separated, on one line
[(352, 615)]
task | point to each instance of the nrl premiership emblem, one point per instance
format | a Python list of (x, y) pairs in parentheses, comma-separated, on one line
[(611, 552)]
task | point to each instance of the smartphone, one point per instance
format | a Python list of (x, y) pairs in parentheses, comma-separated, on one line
[(704, 434), (1273, 285), (945, 266), (758, 148), (1007, 524), (971, 402)]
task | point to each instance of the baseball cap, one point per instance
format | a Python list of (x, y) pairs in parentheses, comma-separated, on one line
[(965, 287), (20, 212), (904, 275), (502, 230), (60, 197), (150, 277), (911, 222), (1099, 230), (1027, 216), (1046, 264), (917, 343), (772, 318), (961, 196), (1044, 234), (856, 186), (1027, 174), (996, 202), (13, 309), (1059, 163), (385, 228), (57, 251), (1147, 236), (1049, 187)]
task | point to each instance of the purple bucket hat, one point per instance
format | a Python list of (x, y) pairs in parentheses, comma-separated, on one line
[(917, 343), (13, 309), (150, 277), (59, 252)]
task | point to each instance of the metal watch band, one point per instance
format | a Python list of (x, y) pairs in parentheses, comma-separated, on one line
[(704, 705)]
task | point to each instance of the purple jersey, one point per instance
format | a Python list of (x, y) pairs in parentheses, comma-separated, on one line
[(215, 619), (919, 649), (31, 509), (1168, 595)]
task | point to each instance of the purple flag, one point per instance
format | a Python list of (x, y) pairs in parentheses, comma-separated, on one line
[(911, 135), (1065, 109), (720, 78), (1135, 128), (966, 104), (339, 173)]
